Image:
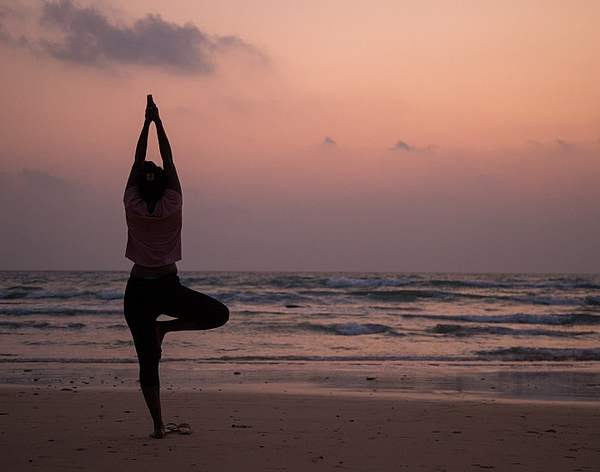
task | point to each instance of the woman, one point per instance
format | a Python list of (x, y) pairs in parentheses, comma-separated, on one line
[(153, 206)]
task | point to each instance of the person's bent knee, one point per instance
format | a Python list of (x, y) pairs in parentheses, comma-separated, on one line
[(221, 316), (224, 315)]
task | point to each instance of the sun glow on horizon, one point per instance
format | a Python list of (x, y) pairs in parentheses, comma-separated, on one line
[(424, 128)]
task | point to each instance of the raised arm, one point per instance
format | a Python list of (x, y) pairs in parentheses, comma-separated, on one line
[(167, 158), (140, 153), (165, 148)]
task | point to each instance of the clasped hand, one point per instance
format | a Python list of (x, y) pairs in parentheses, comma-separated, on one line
[(152, 110)]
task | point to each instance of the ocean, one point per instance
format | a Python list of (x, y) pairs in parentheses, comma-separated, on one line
[(498, 335)]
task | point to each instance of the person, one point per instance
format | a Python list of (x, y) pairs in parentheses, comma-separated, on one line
[(153, 211)]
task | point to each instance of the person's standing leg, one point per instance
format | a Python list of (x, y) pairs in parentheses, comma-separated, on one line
[(141, 314), (152, 397)]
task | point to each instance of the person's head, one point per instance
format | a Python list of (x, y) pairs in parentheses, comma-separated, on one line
[(151, 181)]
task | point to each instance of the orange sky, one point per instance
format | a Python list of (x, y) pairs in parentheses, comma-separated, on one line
[(336, 135)]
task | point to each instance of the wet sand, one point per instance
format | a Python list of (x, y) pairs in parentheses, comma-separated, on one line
[(243, 428)]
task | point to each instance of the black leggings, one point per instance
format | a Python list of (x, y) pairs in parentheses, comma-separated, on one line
[(147, 299)]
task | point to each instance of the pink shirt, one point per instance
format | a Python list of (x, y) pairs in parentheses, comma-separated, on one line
[(153, 239)]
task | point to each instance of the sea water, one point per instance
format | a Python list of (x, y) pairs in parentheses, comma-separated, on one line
[(534, 336)]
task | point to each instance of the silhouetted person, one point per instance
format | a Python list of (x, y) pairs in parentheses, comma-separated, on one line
[(153, 206)]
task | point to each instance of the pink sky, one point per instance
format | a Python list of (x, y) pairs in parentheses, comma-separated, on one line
[(316, 135)]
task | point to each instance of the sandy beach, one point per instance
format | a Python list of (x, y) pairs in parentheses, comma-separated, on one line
[(244, 428)]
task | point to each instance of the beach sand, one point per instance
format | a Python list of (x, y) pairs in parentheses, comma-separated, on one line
[(49, 428)]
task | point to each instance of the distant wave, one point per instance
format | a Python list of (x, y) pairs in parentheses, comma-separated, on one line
[(348, 329), (40, 325), (558, 301), (57, 311), (343, 282), (414, 296), (462, 330), (561, 283), (570, 319), (529, 354), (362, 289), (406, 295), (566, 284), (19, 293), (29, 324)]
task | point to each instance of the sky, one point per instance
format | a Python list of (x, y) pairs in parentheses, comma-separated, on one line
[(330, 135)]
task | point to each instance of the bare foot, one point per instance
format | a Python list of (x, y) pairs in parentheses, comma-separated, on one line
[(158, 433)]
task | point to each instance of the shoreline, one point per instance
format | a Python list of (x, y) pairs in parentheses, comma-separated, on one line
[(267, 428), (539, 382)]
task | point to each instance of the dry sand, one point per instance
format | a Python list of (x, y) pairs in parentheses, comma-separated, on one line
[(251, 430)]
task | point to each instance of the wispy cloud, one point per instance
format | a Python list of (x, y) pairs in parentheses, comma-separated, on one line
[(86, 36), (43, 180), (563, 145), (402, 146)]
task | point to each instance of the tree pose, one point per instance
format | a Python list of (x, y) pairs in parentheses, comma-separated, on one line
[(153, 210)]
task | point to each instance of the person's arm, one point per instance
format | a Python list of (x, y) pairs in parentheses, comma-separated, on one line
[(165, 148), (140, 154), (167, 158)]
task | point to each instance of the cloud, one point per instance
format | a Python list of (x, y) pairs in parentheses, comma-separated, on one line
[(563, 145), (90, 38), (402, 146), (42, 180), (4, 35), (11, 11)]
